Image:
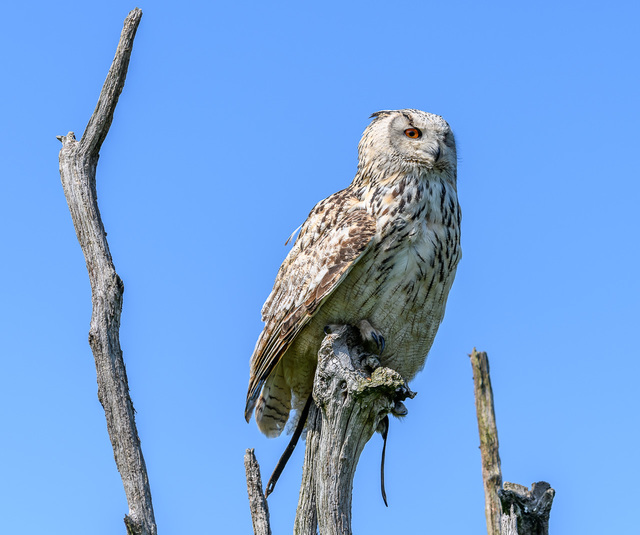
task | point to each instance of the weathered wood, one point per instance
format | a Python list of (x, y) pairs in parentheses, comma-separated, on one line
[(352, 396), (257, 500), (509, 524), (513, 510), (491, 472), (78, 162), (529, 510), (306, 522)]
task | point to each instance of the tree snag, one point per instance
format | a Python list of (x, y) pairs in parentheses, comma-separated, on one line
[(352, 396), (78, 162), (513, 510)]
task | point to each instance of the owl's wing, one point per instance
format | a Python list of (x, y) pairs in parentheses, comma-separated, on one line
[(333, 238)]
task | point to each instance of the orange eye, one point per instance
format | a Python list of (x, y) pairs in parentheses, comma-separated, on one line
[(413, 133)]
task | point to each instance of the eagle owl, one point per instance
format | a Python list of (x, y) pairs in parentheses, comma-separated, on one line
[(380, 255)]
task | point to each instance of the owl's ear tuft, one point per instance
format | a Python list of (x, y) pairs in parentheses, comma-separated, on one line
[(381, 113)]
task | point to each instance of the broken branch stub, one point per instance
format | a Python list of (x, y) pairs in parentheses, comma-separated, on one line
[(529, 510), (257, 500)]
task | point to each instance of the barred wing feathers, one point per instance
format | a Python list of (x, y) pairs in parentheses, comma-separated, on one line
[(334, 237)]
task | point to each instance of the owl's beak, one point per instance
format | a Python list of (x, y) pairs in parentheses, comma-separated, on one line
[(433, 152)]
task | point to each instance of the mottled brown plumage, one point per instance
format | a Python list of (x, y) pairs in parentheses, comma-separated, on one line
[(380, 254)]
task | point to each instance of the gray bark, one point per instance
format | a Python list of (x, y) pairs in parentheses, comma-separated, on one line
[(352, 396), (78, 162), (491, 471), (513, 510), (257, 500), (529, 510)]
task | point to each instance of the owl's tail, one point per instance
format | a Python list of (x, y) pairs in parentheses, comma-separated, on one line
[(274, 404)]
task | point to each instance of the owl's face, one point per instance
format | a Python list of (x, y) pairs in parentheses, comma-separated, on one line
[(410, 138)]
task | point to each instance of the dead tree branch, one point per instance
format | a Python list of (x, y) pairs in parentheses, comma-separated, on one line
[(78, 162), (257, 500), (514, 510), (491, 472)]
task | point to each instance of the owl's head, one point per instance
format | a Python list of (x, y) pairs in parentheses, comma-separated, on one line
[(409, 140)]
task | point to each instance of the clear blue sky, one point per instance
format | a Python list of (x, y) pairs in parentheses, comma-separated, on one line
[(235, 120)]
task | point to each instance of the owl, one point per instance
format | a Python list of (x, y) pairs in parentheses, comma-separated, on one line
[(380, 255)]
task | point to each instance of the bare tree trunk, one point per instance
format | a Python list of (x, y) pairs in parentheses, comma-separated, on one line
[(352, 397), (78, 162), (514, 510)]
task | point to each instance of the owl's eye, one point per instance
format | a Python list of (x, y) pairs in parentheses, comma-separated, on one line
[(413, 133)]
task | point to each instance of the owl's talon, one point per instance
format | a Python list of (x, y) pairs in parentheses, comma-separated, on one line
[(375, 337), (399, 409), (371, 335), (379, 340)]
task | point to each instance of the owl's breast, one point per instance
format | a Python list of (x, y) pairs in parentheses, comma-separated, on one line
[(400, 285)]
